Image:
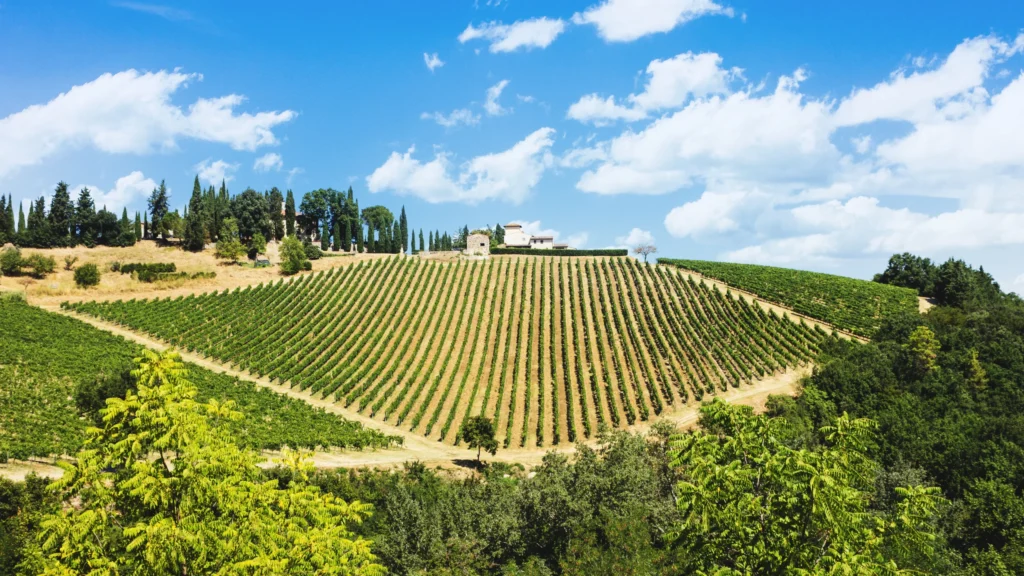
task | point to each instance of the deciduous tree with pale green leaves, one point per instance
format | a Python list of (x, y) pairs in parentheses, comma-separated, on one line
[(753, 505), (158, 491)]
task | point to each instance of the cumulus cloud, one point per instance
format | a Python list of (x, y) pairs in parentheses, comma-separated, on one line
[(713, 212), (525, 34), (635, 237), (130, 113), (267, 162), (507, 176), (126, 190), (491, 105), (670, 83), (463, 116), (215, 171), (627, 20), (432, 61)]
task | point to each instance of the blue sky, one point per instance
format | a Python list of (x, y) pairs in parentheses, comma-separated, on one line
[(817, 135)]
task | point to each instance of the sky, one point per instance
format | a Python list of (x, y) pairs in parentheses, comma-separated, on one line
[(815, 135)]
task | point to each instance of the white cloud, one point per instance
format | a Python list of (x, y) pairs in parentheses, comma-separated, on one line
[(526, 98), (714, 213), (292, 174), (577, 240), (583, 157), (267, 162), (130, 113), (127, 189), (432, 61), (670, 83), (862, 144), (527, 34), (627, 20), (491, 105), (214, 172), (945, 92), (456, 117), (508, 176), (636, 237)]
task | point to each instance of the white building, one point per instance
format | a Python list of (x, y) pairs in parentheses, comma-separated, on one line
[(515, 237), (542, 242)]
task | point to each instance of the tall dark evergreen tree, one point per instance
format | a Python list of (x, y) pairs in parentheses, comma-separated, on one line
[(21, 220), (146, 232), (359, 237), (276, 217), (159, 204), (499, 234), (397, 245), (61, 216), (336, 245), (195, 233), (371, 241), (4, 233), (403, 223), (12, 225), (432, 247), (325, 236), (223, 206), (85, 214), (289, 214), (421, 239), (346, 235), (138, 227)]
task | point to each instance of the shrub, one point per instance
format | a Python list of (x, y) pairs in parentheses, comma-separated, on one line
[(543, 252), (293, 256), (87, 275), (312, 251), (10, 262), (69, 262), (40, 265), (307, 265)]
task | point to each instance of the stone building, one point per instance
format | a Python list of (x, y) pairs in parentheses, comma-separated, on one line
[(478, 245)]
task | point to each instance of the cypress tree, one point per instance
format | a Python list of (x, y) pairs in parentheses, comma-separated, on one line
[(12, 225), (359, 237), (195, 234), (3, 220), (145, 225), (346, 235), (371, 242), (403, 223), (276, 218), (21, 219), (61, 216), (499, 234), (85, 215), (289, 214), (325, 237), (138, 227), (421, 239), (432, 247), (159, 205), (397, 244), (337, 237)]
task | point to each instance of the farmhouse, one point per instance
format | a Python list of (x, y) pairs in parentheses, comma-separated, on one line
[(515, 237)]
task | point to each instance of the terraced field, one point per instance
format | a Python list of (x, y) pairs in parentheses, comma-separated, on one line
[(552, 348), (857, 306)]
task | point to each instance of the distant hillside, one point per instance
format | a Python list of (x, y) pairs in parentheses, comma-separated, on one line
[(858, 306), (551, 348)]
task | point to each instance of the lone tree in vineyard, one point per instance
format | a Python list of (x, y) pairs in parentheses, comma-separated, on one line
[(478, 432), (645, 250)]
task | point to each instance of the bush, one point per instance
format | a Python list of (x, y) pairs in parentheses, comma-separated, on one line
[(293, 256), (313, 252), (155, 268), (545, 252), (40, 265), (69, 262), (10, 262), (307, 265), (87, 275)]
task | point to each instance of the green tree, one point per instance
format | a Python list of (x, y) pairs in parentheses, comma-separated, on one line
[(421, 240), (433, 247), (359, 237), (337, 236), (257, 246), (250, 210), (499, 234), (371, 242), (195, 234), (403, 224), (289, 214), (397, 244), (752, 505), (21, 219), (378, 217), (346, 235), (138, 227), (276, 217), (145, 225), (229, 246), (478, 432), (315, 209), (325, 236), (924, 347), (159, 205), (910, 271), (62, 214), (293, 255), (160, 491)]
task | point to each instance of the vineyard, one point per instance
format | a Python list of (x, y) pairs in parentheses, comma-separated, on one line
[(849, 304), (551, 348), (44, 356)]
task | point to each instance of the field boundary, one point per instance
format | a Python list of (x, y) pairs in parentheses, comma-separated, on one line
[(762, 300)]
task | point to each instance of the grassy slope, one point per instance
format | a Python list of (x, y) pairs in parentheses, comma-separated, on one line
[(43, 355), (858, 306)]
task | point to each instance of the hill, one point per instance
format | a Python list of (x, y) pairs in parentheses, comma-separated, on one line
[(857, 306), (551, 348), (45, 357)]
